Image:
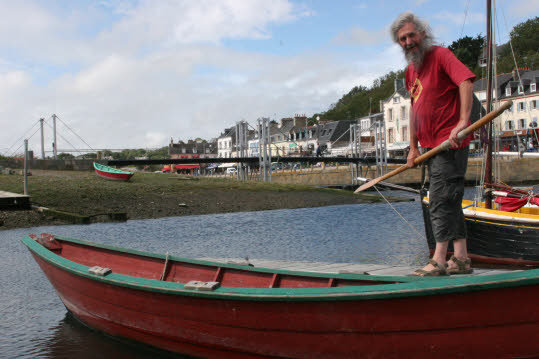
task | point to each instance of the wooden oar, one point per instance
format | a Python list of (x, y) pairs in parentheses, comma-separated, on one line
[(442, 147), (391, 185)]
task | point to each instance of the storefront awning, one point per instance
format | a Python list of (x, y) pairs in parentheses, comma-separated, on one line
[(227, 165), (398, 146), (186, 167)]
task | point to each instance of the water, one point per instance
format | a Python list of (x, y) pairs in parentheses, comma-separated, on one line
[(33, 320)]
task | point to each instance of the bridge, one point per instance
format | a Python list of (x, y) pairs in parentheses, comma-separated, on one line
[(250, 160)]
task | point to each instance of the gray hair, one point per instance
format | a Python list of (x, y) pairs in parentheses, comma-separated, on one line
[(410, 17)]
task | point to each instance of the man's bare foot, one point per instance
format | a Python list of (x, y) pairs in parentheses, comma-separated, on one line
[(459, 266), (433, 268)]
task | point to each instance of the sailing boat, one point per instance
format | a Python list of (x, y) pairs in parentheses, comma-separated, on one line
[(508, 234)]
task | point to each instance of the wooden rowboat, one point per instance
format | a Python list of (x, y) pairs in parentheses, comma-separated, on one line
[(112, 173), (216, 310)]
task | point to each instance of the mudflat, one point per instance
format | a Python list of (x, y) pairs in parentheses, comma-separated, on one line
[(155, 195)]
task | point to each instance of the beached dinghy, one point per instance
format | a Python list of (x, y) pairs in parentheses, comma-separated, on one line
[(216, 310), (112, 173)]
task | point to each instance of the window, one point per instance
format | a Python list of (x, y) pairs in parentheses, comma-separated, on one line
[(508, 91), (533, 87), (183, 150), (509, 125), (194, 150), (520, 89), (404, 133), (521, 106), (534, 123), (390, 135), (390, 115), (396, 99), (403, 113), (521, 124), (533, 104)]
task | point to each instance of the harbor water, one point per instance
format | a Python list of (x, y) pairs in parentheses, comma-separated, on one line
[(35, 324)]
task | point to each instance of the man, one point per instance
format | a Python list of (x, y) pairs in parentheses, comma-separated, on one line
[(441, 90)]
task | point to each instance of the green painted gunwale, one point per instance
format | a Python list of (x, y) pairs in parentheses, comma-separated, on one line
[(100, 167), (408, 286)]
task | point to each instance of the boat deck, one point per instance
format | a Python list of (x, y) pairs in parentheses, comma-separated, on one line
[(328, 267), (10, 200)]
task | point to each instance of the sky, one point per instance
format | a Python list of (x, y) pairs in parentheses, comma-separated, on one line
[(136, 73)]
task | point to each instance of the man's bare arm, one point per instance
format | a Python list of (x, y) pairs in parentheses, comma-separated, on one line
[(466, 96)]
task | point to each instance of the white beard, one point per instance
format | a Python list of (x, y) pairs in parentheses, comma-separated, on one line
[(417, 57)]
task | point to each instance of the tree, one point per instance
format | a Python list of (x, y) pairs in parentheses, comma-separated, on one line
[(65, 156), (468, 50), (159, 153)]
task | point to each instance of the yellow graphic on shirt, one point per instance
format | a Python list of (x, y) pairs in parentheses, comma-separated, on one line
[(416, 89)]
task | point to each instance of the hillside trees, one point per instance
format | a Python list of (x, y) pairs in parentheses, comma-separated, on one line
[(525, 41), (360, 100)]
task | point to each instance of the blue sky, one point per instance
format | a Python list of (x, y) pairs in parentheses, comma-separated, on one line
[(125, 74)]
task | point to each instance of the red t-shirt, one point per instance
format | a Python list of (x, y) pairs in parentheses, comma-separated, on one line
[(435, 97)]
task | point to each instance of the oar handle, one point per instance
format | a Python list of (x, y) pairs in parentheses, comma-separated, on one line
[(442, 147)]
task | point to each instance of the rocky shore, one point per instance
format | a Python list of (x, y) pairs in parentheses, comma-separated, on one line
[(154, 195)]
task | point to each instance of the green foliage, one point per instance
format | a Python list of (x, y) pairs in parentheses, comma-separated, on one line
[(65, 156), (468, 50), (525, 41), (159, 153)]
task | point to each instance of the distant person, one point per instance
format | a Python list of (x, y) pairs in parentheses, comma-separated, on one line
[(441, 89), (530, 146), (318, 150)]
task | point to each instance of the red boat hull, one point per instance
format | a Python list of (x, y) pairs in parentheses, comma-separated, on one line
[(114, 176), (487, 323)]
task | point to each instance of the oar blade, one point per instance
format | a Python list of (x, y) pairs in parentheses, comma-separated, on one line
[(365, 186)]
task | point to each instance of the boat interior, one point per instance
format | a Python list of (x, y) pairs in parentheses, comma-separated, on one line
[(180, 270)]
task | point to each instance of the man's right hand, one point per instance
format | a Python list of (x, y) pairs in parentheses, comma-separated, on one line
[(412, 155)]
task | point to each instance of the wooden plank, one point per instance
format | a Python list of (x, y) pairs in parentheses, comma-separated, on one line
[(362, 268), (393, 271), (344, 268)]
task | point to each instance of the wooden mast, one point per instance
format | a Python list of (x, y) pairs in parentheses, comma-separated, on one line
[(488, 165)]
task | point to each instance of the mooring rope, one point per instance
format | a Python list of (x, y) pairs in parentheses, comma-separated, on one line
[(400, 215)]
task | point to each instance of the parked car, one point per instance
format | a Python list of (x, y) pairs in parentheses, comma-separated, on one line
[(231, 170)]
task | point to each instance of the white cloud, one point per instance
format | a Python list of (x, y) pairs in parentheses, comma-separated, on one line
[(161, 69), (522, 8), (359, 36), (460, 18)]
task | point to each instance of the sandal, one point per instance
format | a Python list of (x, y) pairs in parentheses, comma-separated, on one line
[(461, 266), (435, 272)]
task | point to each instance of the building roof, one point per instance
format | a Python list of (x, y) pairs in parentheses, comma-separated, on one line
[(335, 131), (511, 80)]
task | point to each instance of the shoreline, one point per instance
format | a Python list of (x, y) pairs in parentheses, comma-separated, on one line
[(151, 195)]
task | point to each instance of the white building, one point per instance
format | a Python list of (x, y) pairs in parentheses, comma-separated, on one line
[(396, 110)]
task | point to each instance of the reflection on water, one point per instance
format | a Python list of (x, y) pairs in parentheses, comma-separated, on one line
[(71, 339), (33, 320)]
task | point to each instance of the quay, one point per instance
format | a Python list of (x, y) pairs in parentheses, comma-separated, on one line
[(10, 200)]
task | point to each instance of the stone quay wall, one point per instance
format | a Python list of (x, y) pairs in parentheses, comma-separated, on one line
[(513, 170)]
